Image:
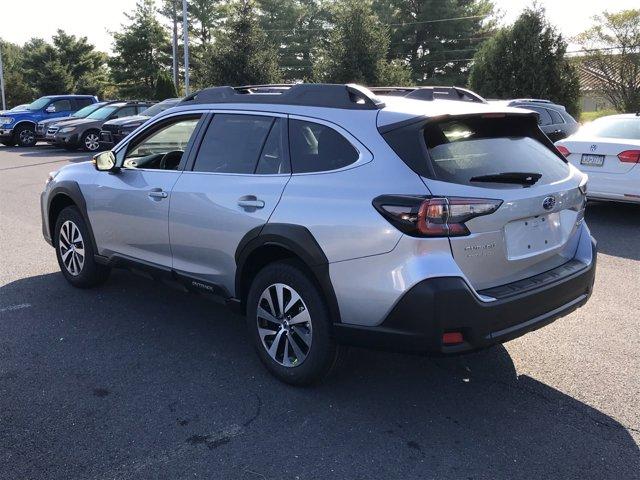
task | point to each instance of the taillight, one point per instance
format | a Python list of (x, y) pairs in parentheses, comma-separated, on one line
[(420, 216), (563, 150), (630, 156)]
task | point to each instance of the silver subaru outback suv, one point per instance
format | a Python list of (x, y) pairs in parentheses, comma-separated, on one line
[(331, 217)]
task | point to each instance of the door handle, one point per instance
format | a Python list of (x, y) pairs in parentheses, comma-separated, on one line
[(250, 201), (158, 193)]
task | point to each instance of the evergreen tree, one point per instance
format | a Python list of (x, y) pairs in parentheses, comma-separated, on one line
[(164, 87), (141, 52), (43, 69), (526, 60), (436, 37), (85, 65), (242, 54), (17, 90), (357, 49)]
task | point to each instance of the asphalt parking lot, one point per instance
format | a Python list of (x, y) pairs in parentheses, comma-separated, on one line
[(135, 380)]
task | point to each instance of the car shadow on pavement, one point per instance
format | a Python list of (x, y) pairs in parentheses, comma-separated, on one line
[(616, 227), (136, 380)]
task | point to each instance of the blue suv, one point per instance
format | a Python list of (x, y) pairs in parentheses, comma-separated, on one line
[(19, 127)]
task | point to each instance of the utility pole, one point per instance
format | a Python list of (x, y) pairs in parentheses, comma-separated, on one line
[(185, 34), (174, 46), (4, 102)]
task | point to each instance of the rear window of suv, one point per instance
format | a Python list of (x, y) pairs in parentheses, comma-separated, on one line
[(462, 150)]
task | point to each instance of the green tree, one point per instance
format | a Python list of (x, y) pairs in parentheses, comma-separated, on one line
[(436, 37), (526, 59), (242, 54), (612, 56), (164, 87), (17, 90), (86, 66), (297, 28), (141, 52), (357, 49), (44, 70)]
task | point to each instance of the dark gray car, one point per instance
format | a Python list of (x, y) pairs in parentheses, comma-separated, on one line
[(85, 132), (553, 119)]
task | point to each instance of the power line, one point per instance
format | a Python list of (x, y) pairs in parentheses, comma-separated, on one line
[(403, 24)]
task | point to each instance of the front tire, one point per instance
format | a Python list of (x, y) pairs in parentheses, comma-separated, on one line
[(90, 141), (289, 325), (25, 136), (8, 143), (74, 251)]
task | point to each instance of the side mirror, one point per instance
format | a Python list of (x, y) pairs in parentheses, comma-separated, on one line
[(105, 161), (50, 109)]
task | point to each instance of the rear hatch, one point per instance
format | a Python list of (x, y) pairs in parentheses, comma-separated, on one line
[(599, 155), (506, 159)]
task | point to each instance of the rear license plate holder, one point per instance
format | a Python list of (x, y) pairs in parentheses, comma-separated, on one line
[(592, 160), (531, 236)]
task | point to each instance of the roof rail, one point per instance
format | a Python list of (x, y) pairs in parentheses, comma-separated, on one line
[(431, 93), (531, 100), (349, 96)]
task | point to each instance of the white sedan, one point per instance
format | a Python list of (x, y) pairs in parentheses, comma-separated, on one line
[(608, 150)]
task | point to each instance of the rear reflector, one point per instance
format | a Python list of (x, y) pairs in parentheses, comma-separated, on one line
[(629, 156), (452, 338), (563, 150)]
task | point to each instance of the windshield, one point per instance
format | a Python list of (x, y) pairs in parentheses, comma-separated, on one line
[(159, 107), (102, 113), (38, 104), (628, 127), (83, 112)]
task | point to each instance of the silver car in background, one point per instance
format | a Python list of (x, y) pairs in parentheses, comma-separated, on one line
[(331, 217)]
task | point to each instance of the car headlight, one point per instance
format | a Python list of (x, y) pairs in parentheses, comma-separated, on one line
[(67, 129), (6, 120)]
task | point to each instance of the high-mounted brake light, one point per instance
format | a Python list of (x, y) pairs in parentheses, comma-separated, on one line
[(420, 216), (563, 150), (629, 156)]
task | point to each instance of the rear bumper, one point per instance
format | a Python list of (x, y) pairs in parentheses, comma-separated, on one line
[(447, 304)]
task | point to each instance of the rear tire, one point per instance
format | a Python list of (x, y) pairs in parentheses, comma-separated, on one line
[(25, 136), (294, 317), (74, 251)]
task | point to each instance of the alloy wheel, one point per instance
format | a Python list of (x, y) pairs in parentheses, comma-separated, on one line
[(92, 142), (284, 325), (71, 246), (27, 137)]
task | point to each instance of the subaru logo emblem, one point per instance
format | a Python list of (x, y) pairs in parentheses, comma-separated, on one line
[(593, 148), (549, 202)]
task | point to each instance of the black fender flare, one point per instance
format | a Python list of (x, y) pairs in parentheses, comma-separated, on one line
[(301, 243), (72, 190), (23, 122)]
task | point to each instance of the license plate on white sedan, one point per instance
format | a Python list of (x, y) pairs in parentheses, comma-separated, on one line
[(592, 160)]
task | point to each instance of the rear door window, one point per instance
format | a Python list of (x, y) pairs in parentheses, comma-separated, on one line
[(233, 143), (555, 117), (317, 148), (543, 115), (463, 150)]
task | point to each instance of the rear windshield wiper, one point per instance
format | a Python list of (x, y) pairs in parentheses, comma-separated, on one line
[(519, 178)]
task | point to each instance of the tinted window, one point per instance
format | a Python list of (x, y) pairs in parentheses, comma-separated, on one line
[(83, 102), (233, 143), (555, 117), (163, 147), (463, 149), (317, 148), (159, 107), (61, 106), (273, 158), (543, 117), (126, 112)]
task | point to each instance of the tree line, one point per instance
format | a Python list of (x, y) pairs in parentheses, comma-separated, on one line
[(371, 42)]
